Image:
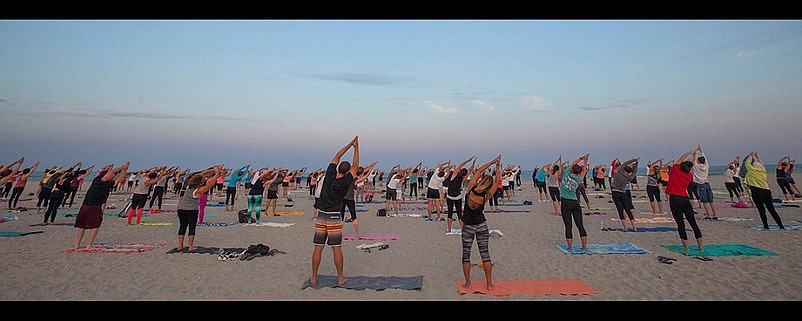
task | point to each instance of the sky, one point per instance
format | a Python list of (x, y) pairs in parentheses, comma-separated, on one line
[(291, 93)]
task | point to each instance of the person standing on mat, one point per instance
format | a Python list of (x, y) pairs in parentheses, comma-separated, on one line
[(189, 204), (61, 186), (653, 186), (678, 201), (782, 178), (231, 187), (479, 190), (569, 202), (756, 180), (141, 192), (255, 194), (623, 200), (328, 226), (704, 191), (349, 199), (90, 215), (19, 185), (454, 194)]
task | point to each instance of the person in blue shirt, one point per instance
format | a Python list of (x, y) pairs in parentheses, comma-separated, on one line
[(231, 188)]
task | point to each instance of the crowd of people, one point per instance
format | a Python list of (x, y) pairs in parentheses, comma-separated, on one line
[(463, 189)]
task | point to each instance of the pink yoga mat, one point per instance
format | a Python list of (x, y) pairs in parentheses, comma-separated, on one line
[(372, 237)]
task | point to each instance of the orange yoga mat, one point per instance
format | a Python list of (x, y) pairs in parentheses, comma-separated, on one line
[(531, 287)]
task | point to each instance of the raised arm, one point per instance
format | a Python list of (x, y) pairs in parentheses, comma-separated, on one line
[(355, 163), (459, 167), (782, 160), (480, 171), (685, 156), (496, 179), (341, 152), (218, 170)]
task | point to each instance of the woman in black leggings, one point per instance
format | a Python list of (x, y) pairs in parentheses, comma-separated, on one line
[(758, 186)]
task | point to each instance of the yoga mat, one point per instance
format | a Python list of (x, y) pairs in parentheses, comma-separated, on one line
[(15, 233), (270, 224), (721, 250), (409, 215), (735, 219), (594, 213), (377, 283), (289, 213), (53, 224), (531, 287), (510, 211), (206, 250), (492, 233), (216, 224), (792, 227), (604, 248), (649, 220), (155, 223), (513, 204), (647, 229), (372, 237), (126, 248)]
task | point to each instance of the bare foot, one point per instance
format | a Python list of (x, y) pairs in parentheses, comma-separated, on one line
[(342, 280), (490, 286), (313, 280), (466, 285), (190, 249)]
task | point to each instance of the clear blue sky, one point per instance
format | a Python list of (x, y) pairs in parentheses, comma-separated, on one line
[(292, 92)]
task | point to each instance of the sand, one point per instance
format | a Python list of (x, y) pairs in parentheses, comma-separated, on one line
[(38, 266)]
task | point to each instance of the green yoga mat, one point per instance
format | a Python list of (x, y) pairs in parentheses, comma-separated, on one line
[(722, 250), (788, 227)]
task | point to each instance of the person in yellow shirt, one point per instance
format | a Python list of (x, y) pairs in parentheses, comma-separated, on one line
[(759, 188)]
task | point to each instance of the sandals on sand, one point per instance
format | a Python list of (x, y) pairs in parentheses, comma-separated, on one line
[(666, 260), (702, 258)]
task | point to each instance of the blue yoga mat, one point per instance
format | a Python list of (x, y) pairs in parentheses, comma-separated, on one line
[(604, 248), (16, 233)]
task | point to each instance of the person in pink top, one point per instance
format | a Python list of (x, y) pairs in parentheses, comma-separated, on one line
[(19, 185)]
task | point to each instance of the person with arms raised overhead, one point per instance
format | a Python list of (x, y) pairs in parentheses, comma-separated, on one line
[(479, 190), (679, 202), (759, 188), (570, 207), (328, 225)]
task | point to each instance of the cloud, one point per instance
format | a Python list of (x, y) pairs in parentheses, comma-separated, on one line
[(73, 112), (744, 54), (603, 107), (440, 109), (365, 79), (483, 104), (144, 115), (535, 104)]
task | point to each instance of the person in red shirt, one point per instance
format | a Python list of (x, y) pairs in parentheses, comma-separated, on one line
[(679, 179)]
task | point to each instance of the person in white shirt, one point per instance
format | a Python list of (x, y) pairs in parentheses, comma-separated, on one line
[(700, 173), (393, 190), (434, 189)]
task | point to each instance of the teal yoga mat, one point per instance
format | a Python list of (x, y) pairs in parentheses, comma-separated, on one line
[(788, 227), (16, 233), (722, 250), (604, 248)]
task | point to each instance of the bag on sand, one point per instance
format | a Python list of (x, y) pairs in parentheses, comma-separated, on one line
[(242, 216), (381, 212)]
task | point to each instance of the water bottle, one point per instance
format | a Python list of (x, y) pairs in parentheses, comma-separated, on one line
[(602, 225)]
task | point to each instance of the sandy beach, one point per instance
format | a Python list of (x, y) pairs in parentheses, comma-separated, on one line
[(40, 267)]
